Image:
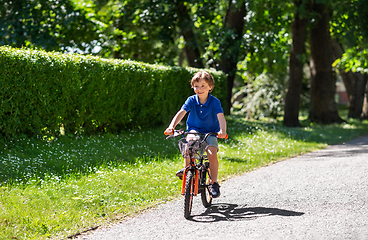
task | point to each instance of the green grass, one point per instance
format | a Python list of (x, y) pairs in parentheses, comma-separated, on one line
[(54, 189)]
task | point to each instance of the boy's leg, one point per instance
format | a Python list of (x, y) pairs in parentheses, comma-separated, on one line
[(180, 173), (187, 162), (212, 158)]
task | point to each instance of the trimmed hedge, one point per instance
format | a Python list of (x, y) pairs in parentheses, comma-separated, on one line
[(42, 91)]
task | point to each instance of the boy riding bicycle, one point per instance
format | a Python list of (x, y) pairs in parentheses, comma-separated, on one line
[(205, 115)]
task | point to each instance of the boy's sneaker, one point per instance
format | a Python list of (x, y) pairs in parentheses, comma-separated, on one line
[(215, 190), (180, 173)]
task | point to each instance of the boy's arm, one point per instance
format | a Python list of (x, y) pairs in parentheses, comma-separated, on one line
[(222, 121), (177, 118)]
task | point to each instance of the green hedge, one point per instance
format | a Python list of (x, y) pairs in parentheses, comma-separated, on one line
[(41, 91)]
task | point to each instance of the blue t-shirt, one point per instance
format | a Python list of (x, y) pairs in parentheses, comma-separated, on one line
[(203, 117)]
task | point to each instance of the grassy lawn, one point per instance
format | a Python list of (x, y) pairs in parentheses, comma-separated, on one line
[(57, 188)]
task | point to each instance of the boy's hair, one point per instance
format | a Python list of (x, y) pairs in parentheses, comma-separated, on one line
[(203, 75)]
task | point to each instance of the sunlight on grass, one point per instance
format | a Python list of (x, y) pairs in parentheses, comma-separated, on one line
[(59, 188), (66, 206)]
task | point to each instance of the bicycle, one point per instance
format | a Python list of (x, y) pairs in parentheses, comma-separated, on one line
[(196, 175)]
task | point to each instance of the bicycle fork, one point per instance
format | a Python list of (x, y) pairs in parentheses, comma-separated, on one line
[(195, 181), (196, 178)]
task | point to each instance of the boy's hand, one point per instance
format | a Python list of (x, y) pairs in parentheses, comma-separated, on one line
[(169, 131), (222, 134)]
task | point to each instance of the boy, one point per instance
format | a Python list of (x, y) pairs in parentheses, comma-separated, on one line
[(205, 115)]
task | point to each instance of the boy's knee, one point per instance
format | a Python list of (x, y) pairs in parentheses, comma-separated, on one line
[(211, 150)]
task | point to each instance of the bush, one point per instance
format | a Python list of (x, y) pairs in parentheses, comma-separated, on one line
[(261, 97), (43, 91)]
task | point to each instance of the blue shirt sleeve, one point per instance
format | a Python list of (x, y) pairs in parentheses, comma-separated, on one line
[(217, 106), (188, 105)]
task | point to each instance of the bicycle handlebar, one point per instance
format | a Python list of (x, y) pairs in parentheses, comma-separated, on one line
[(179, 132)]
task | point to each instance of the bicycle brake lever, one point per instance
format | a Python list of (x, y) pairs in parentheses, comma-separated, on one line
[(175, 133), (178, 132)]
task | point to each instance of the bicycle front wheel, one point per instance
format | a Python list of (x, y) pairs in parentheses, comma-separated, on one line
[(189, 194), (205, 193)]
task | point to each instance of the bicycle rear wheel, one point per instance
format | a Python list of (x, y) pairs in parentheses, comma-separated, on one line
[(205, 193), (189, 194)]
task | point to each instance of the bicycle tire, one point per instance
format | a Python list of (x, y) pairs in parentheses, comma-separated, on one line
[(189, 194), (205, 193)]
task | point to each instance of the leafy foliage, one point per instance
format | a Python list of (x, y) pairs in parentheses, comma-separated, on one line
[(51, 25), (350, 28), (354, 60), (126, 30), (149, 31), (43, 92), (263, 97)]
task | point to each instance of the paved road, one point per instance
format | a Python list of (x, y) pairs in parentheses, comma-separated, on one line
[(320, 195)]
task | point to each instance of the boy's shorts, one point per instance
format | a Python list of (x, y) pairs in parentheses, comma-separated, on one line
[(211, 140)]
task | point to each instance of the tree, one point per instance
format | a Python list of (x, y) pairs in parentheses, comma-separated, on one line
[(51, 25), (292, 100), (350, 34), (208, 33), (250, 39), (129, 30), (172, 17), (233, 27), (199, 31), (186, 26), (323, 107), (354, 83)]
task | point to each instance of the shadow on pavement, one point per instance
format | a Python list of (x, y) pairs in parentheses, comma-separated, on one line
[(234, 212), (335, 153)]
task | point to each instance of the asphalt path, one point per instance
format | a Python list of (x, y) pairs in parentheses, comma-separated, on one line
[(320, 195)]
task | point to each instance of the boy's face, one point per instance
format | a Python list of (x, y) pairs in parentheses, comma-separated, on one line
[(201, 88)]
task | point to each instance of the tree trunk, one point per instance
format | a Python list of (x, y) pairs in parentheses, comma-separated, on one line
[(323, 107), (234, 22), (357, 99), (292, 100), (191, 48), (364, 114), (354, 84)]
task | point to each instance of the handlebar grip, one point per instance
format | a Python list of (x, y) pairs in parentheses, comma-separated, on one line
[(167, 133), (224, 137)]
